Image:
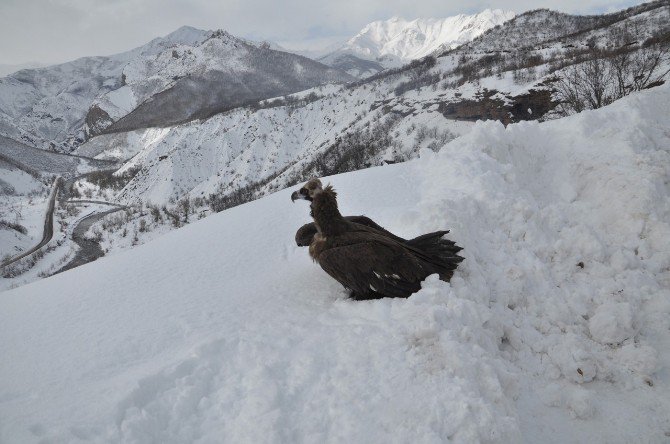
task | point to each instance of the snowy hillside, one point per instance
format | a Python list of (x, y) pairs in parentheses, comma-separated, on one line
[(556, 322), (396, 41), (244, 147)]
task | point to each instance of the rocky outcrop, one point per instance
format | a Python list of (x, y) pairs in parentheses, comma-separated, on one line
[(97, 120), (491, 105)]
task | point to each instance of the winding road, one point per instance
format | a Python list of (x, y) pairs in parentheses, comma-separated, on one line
[(89, 250)]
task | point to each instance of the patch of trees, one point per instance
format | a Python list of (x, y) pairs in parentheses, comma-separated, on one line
[(227, 197), (417, 83), (33, 172), (4, 224), (416, 68), (107, 179), (289, 101), (355, 150)]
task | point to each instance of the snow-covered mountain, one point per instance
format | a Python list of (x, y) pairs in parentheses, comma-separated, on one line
[(557, 322), (47, 107), (390, 43), (187, 74)]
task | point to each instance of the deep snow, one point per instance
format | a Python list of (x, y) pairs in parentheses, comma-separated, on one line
[(226, 331)]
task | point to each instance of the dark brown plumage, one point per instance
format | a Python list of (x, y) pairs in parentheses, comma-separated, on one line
[(305, 234), (364, 257)]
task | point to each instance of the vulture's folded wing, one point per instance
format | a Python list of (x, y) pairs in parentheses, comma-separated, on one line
[(305, 234), (381, 267)]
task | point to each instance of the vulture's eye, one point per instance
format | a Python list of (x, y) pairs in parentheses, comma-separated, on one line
[(304, 191)]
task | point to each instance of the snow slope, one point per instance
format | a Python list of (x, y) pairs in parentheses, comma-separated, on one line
[(556, 323), (396, 41)]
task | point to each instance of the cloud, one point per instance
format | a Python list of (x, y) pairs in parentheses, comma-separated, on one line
[(59, 30)]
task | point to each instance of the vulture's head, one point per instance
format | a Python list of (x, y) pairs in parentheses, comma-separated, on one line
[(308, 191)]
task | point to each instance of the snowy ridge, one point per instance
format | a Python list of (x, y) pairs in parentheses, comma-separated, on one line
[(556, 322)]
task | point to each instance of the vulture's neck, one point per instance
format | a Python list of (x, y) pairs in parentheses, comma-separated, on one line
[(327, 217)]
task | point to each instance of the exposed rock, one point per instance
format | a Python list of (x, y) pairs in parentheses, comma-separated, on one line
[(489, 106), (96, 120)]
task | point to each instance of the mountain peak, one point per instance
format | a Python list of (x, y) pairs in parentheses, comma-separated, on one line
[(186, 35), (410, 39)]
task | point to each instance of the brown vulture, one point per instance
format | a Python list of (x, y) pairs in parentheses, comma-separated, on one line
[(368, 260)]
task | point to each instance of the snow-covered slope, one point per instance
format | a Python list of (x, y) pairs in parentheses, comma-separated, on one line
[(556, 323), (395, 41)]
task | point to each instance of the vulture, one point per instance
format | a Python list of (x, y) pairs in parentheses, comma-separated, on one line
[(366, 259)]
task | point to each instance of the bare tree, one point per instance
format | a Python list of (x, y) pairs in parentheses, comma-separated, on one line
[(608, 77), (647, 66)]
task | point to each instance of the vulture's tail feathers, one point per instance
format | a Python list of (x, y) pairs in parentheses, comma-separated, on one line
[(441, 253)]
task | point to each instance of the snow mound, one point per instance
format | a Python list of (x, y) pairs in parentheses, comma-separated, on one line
[(557, 321)]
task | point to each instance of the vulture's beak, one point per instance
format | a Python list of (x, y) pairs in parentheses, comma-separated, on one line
[(295, 196)]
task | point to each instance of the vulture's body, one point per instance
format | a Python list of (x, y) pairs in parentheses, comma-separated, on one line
[(368, 260)]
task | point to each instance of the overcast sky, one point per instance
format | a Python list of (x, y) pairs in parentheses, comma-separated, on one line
[(51, 31)]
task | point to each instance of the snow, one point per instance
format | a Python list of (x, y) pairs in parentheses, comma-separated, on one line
[(226, 331), (16, 181), (28, 212)]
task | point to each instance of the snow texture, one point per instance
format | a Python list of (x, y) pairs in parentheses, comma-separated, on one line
[(554, 329)]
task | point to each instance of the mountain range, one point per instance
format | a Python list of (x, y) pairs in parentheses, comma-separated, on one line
[(192, 73), (187, 74)]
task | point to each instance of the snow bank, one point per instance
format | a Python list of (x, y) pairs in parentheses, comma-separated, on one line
[(555, 328)]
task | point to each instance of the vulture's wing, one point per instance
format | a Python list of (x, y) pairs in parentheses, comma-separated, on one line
[(374, 266)]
